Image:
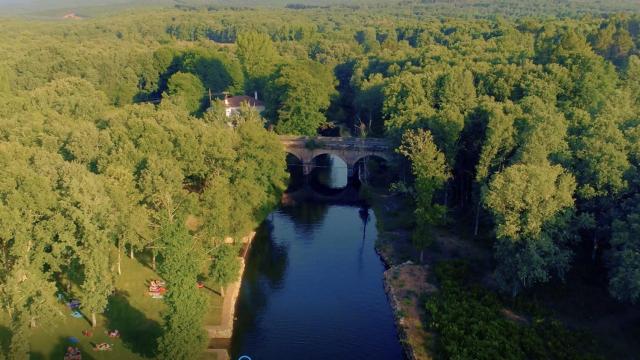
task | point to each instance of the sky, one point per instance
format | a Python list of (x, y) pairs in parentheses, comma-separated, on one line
[(43, 5)]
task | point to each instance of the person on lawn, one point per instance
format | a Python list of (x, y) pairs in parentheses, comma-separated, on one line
[(103, 347)]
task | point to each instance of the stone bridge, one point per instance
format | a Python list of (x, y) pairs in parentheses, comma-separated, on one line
[(350, 150)]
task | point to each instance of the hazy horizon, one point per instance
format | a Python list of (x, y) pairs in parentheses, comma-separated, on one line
[(38, 6)]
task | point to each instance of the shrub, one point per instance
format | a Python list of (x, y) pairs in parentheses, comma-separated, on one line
[(471, 325)]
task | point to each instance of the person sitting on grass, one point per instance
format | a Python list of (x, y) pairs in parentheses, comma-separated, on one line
[(73, 353), (157, 287), (87, 333), (73, 304), (156, 284), (102, 347), (114, 333)]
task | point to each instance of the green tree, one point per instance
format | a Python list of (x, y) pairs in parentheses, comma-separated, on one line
[(90, 210), (298, 96), (599, 160), (186, 90), (73, 97), (430, 170), (368, 101), (532, 205), (258, 57), (216, 70), (29, 225), (409, 100), (184, 336), (5, 79), (498, 144), (225, 265), (259, 175), (624, 256), (131, 223)]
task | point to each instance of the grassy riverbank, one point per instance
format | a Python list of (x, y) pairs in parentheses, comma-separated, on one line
[(447, 306), (137, 316)]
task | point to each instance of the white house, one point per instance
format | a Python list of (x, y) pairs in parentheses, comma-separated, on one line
[(232, 104)]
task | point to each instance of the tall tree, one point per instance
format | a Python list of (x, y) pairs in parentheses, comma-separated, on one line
[(90, 209), (225, 265), (131, 223), (258, 57), (184, 337), (430, 170), (298, 97), (624, 256), (498, 144), (532, 206), (186, 90)]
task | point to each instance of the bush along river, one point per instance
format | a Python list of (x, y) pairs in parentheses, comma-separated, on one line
[(313, 288)]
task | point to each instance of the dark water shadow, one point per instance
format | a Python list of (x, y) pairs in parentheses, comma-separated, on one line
[(266, 258), (296, 173), (266, 267), (138, 333)]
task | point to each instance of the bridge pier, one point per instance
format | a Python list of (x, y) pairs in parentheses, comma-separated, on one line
[(350, 170), (307, 167)]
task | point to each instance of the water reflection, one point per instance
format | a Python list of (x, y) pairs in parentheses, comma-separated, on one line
[(330, 174), (305, 218), (364, 216), (263, 272), (313, 289)]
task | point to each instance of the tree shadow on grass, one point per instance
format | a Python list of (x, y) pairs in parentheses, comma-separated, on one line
[(61, 348), (5, 339), (138, 333), (146, 259)]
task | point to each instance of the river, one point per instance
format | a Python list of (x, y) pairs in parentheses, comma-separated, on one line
[(313, 288)]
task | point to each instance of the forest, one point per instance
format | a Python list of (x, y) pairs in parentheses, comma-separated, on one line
[(522, 124)]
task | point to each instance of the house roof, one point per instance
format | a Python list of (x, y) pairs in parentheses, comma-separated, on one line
[(236, 101)]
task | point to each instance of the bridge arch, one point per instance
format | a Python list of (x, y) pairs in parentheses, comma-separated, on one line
[(291, 155), (381, 156), (349, 150), (330, 171), (373, 169), (316, 155)]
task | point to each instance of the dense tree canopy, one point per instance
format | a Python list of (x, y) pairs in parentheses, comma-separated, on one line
[(113, 140), (86, 182)]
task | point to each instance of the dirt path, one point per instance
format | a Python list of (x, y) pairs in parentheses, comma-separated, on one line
[(406, 285)]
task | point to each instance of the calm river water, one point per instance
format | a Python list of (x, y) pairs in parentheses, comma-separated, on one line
[(313, 289)]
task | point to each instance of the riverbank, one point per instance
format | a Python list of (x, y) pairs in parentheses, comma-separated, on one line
[(405, 283), (576, 313), (224, 330), (409, 283)]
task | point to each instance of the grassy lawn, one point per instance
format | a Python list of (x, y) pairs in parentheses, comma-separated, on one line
[(214, 310), (137, 316)]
